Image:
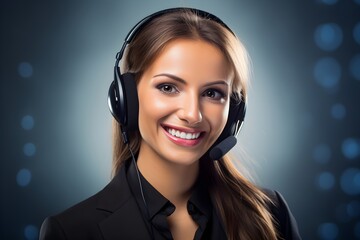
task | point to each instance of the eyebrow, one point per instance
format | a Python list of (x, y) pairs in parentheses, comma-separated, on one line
[(178, 79)]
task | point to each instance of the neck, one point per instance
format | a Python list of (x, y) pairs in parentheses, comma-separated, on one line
[(172, 180)]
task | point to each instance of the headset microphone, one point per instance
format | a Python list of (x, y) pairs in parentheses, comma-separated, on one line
[(227, 139), (219, 150)]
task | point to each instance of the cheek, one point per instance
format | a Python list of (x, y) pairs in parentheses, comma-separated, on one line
[(218, 123), (151, 108)]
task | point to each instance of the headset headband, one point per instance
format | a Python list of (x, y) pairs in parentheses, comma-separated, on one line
[(137, 28)]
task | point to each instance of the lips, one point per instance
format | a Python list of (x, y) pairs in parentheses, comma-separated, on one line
[(183, 137)]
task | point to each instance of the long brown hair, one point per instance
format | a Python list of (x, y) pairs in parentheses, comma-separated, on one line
[(242, 206)]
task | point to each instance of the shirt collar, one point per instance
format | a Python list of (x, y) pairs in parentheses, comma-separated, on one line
[(156, 202), (200, 197)]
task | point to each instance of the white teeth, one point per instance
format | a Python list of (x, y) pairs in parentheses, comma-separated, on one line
[(183, 135), (189, 136)]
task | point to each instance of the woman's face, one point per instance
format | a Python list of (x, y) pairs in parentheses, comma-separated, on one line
[(183, 101)]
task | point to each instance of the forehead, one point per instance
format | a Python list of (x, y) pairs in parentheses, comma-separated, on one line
[(192, 58)]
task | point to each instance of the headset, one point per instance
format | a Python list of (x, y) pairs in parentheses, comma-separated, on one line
[(123, 97)]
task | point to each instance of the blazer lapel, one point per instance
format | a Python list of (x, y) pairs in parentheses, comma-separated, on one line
[(124, 220)]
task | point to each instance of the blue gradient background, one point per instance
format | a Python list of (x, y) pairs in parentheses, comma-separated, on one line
[(301, 135)]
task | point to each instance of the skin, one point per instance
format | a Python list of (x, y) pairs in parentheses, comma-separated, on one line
[(186, 88)]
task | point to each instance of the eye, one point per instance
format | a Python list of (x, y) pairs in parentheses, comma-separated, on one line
[(214, 94), (167, 88)]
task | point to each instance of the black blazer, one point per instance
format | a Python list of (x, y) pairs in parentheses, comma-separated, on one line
[(113, 214)]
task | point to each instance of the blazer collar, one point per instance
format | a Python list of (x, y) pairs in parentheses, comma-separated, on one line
[(115, 194), (123, 218)]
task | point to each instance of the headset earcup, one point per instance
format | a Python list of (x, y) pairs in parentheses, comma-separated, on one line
[(123, 101), (237, 114), (113, 102), (235, 119), (131, 101)]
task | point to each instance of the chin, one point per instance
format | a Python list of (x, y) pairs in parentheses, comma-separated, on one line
[(183, 159)]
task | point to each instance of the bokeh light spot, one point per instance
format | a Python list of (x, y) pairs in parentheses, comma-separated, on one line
[(23, 177), (327, 72), (350, 181), (29, 149), (25, 70), (355, 67), (31, 232), (322, 153), (356, 32), (351, 148), (328, 231), (27, 122), (325, 181), (338, 111), (328, 37)]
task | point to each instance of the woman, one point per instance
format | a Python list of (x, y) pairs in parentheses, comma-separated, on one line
[(186, 76)]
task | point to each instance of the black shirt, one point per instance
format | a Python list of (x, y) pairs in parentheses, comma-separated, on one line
[(118, 213), (157, 208)]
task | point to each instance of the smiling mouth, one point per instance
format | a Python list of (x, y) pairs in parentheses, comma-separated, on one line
[(182, 134)]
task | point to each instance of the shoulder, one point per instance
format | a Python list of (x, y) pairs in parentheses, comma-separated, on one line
[(286, 223), (81, 221), (74, 223)]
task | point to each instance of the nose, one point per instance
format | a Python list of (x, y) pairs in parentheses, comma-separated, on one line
[(190, 110)]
